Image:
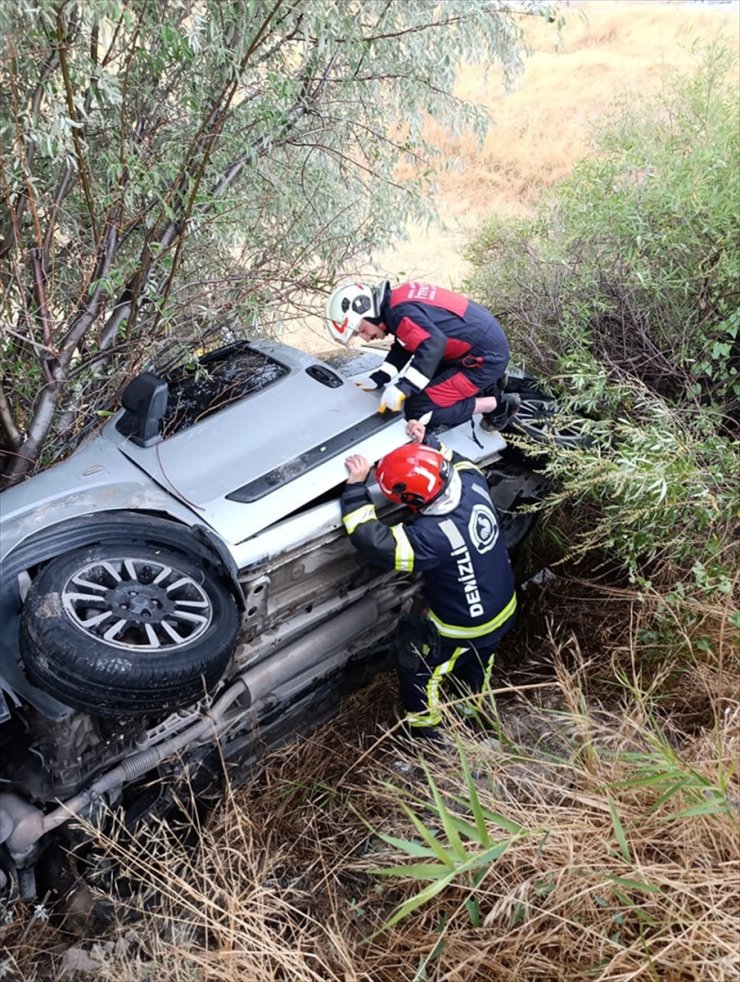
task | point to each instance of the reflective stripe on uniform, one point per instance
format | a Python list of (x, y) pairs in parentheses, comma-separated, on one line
[(416, 378), (404, 558), (433, 714), (467, 465), (366, 513), (451, 531), (390, 371), (487, 674), (456, 631)]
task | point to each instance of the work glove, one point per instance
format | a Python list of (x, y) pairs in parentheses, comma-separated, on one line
[(366, 382), (393, 399)]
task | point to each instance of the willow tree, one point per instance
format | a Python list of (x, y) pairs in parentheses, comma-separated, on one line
[(172, 168)]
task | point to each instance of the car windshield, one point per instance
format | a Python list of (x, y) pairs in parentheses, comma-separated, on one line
[(211, 383)]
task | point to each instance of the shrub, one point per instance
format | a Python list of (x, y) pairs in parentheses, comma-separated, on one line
[(636, 257), (624, 288)]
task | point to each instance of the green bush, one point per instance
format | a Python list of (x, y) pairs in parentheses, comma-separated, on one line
[(624, 289), (636, 257)]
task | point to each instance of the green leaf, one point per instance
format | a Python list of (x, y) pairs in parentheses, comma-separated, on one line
[(448, 822), (476, 808), (712, 806), (419, 871), (619, 831), (507, 824), (418, 900), (635, 884), (444, 855), (473, 908), (410, 846)]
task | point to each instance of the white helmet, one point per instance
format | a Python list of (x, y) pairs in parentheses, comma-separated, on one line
[(351, 304)]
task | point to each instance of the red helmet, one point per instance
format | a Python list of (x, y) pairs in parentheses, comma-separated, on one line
[(413, 475)]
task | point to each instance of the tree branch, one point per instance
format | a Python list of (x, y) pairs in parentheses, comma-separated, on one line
[(88, 311), (15, 215), (72, 110), (12, 433), (40, 291), (200, 147)]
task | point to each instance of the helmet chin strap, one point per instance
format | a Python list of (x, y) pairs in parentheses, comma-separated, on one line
[(448, 499)]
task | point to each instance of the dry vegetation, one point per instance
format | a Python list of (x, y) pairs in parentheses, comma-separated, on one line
[(621, 804), (621, 863), (619, 809)]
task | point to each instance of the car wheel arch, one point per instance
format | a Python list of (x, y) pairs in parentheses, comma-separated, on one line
[(49, 543)]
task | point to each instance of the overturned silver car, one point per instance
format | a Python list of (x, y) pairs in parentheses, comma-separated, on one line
[(180, 591)]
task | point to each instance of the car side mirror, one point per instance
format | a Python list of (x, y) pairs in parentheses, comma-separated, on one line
[(145, 402)]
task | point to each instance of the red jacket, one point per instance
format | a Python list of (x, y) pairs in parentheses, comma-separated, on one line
[(434, 328)]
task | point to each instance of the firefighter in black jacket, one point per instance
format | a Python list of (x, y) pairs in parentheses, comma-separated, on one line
[(448, 357), (453, 539)]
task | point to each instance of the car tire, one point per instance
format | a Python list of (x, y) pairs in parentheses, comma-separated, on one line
[(126, 630), (539, 417)]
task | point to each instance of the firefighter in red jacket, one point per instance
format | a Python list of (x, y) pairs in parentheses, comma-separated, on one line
[(448, 357), (453, 539)]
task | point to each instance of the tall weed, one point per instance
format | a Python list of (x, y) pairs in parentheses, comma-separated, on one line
[(622, 860)]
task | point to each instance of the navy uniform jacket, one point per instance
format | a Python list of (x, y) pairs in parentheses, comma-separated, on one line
[(436, 328), (468, 581)]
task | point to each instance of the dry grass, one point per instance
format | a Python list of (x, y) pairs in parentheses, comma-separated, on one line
[(543, 126), (626, 868), (608, 881)]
